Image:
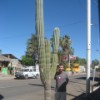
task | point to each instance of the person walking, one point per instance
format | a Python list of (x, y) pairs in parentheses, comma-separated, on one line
[(61, 83)]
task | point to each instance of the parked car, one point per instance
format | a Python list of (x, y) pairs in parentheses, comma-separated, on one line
[(26, 73)]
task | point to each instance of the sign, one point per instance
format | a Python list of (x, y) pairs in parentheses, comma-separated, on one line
[(64, 58), (72, 57)]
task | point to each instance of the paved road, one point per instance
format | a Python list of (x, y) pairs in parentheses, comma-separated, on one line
[(32, 89)]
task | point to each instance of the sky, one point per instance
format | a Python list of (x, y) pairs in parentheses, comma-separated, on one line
[(17, 24)]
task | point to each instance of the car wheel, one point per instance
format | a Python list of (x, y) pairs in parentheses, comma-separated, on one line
[(34, 77), (37, 75), (26, 76)]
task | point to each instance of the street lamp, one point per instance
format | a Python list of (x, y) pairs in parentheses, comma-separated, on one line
[(88, 46)]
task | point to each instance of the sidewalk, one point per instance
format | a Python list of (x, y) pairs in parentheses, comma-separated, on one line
[(77, 89), (6, 77)]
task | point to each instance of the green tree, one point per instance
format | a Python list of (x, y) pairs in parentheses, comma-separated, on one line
[(32, 46), (83, 61), (94, 63), (67, 50), (27, 61), (80, 61), (65, 46), (65, 43)]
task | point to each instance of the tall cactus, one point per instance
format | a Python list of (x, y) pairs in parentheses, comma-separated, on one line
[(55, 43), (44, 50)]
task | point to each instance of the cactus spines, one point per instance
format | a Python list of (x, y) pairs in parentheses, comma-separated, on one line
[(39, 20), (44, 50), (56, 35)]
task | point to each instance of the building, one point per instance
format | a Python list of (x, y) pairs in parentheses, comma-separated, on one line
[(4, 62), (9, 63)]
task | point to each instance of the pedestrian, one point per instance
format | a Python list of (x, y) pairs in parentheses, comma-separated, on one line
[(61, 83)]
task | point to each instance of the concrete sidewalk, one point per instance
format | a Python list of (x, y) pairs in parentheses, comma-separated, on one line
[(6, 77)]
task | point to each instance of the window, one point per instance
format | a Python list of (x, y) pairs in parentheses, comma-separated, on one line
[(34, 69)]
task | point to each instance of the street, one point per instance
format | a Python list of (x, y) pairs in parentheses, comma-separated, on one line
[(21, 89), (32, 89)]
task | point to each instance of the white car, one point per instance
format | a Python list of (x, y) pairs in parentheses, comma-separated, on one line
[(27, 73)]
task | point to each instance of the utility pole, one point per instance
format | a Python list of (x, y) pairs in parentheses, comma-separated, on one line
[(99, 30), (88, 46)]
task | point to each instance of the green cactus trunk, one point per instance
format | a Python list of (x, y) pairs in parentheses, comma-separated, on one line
[(47, 73), (54, 64), (43, 50), (45, 64), (56, 35), (39, 21)]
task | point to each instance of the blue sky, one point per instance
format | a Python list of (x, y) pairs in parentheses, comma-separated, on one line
[(17, 23)]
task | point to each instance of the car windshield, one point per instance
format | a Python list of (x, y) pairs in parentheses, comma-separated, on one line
[(25, 70)]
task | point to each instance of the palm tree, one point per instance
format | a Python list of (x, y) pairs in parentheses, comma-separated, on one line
[(67, 50), (65, 43), (32, 46)]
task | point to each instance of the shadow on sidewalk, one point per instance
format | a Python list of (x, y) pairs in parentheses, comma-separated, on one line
[(1, 97), (52, 87), (91, 78), (37, 85), (93, 96), (77, 82)]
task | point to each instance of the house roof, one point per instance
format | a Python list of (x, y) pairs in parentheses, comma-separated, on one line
[(10, 56), (3, 58)]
